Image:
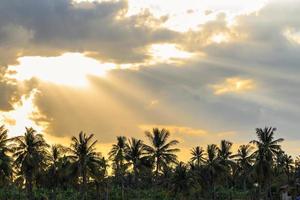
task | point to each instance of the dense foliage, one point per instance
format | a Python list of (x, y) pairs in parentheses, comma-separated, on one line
[(32, 169)]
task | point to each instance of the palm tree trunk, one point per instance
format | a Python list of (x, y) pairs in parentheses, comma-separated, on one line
[(157, 167), (213, 186), (122, 188), (270, 190), (98, 191), (106, 192), (29, 188), (244, 184), (84, 181), (135, 174)]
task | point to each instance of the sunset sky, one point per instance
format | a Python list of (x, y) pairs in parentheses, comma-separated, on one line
[(204, 69)]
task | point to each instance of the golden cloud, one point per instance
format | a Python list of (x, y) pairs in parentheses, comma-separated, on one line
[(233, 85)]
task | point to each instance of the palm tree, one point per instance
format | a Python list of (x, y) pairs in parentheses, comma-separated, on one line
[(267, 148), (245, 160), (83, 153), (198, 155), (54, 169), (180, 181), (99, 173), (225, 158), (225, 153), (213, 166), (5, 160), (118, 154), (160, 149), (30, 156), (56, 152), (288, 165), (55, 157), (135, 149)]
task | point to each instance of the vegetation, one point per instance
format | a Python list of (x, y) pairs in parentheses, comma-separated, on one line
[(32, 169)]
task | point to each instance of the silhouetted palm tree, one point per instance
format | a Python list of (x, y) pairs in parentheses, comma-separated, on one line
[(98, 174), (198, 156), (225, 153), (180, 181), (267, 148), (160, 149), (5, 160), (225, 158), (83, 153), (245, 160), (55, 157), (118, 154), (288, 166), (213, 166), (30, 156), (135, 149), (60, 171)]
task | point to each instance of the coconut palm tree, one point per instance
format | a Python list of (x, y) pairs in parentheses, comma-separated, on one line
[(225, 153), (118, 154), (225, 158), (55, 158), (84, 155), (5, 160), (30, 155), (213, 166), (99, 174), (244, 159), (135, 149), (288, 165), (267, 148), (180, 181), (160, 148), (198, 154)]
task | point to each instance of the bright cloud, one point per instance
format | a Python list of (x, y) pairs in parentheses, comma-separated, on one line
[(168, 53), (233, 85), (68, 69), (21, 116), (189, 14), (292, 35)]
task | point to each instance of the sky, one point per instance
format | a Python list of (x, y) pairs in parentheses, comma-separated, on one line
[(205, 70)]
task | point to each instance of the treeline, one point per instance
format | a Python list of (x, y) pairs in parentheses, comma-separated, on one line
[(32, 169)]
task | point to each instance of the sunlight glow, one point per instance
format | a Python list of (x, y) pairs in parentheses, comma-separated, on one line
[(233, 85), (21, 116), (219, 38), (292, 35), (69, 69), (189, 14), (168, 53)]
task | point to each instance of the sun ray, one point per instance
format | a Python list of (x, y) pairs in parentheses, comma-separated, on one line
[(21, 116)]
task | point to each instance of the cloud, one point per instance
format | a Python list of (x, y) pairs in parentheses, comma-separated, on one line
[(258, 59), (100, 29), (11, 91), (233, 85), (292, 35), (51, 28)]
